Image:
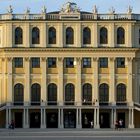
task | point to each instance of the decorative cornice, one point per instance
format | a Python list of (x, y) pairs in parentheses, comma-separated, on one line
[(72, 49)]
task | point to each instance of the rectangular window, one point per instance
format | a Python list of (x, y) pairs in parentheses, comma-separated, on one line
[(52, 62), (35, 62), (69, 62), (103, 62), (86, 62), (18, 62), (120, 62)]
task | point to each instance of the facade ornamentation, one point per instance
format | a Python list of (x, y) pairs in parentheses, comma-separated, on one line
[(95, 10), (112, 10), (44, 10), (130, 9), (43, 59), (70, 7), (27, 59), (27, 11), (10, 9)]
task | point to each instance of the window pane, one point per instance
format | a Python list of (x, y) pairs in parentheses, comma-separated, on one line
[(120, 62), (103, 62), (69, 62), (35, 62), (52, 62), (18, 62), (86, 62)]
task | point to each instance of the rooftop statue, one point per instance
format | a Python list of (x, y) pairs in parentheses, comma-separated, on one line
[(112, 10), (27, 11), (129, 10), (95, 10), (70, 7), (44, 9), (10, 9)]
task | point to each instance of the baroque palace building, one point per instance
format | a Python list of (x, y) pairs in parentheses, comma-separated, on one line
[(67, 68)]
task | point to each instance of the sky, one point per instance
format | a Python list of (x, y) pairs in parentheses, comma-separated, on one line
[(19, 6)]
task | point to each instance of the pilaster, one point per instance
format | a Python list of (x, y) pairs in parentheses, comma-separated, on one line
[(27, 81), (78, 82), (60, 80), (112, 81), (95, 81), (43, 81), (9, 81), (129, 82)]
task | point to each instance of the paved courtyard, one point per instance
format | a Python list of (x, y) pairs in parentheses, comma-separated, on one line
[(54, 134)]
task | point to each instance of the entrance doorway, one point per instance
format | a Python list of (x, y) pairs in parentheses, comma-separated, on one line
[(70, 119), (104, 120), (35, 120), (121, 116), (18, 120), (52, 120), (86, 119)]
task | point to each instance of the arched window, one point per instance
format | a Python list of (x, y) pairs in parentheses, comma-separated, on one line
[(69, 94), (103, 36), (18, 94), (69, 36), (86, 36), (121, 92), (52, 35), (18, 36), (120, 35), (87, 94), (35, 35), (52, 94), (103, 93), (35, 94)]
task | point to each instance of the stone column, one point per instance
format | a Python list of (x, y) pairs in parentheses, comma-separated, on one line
[(131, 118), (9, 116), (96, 81), (80, 118), (95, 118), (113, 118), (27, 116), (24, 118), (97, 126), (78, 82), (129, 82), (27, 81), (112, 92), (9, 81), (26, 36), (60, 80), (77, 118), (62, 121), (59, 118), (43, 81), (132, 123), (7, 121), (42, 118)]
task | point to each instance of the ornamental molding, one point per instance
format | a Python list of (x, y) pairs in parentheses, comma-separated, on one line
[(9, 59), (69, 8), (43, 59), (90, 50), (27, 59)]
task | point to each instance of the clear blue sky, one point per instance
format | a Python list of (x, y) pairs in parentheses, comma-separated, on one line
[(85, 5)]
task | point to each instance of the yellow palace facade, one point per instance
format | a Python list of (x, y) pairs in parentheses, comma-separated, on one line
[(67, 68)]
